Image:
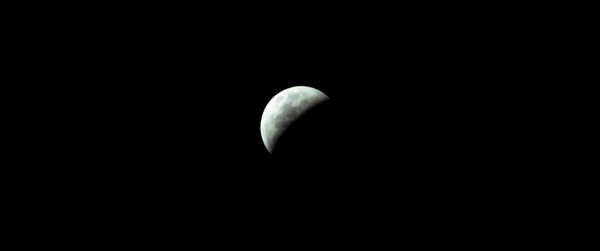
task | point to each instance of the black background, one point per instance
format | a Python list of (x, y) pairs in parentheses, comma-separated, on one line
[(152, 123)]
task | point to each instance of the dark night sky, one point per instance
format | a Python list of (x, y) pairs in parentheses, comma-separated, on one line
[(161, 119)]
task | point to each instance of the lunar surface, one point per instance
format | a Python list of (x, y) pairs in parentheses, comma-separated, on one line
[(285, 108)]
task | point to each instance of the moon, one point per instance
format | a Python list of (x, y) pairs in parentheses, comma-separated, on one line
[(285, 108)]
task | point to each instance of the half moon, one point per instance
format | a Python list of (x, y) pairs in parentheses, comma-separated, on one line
[(285, 108)]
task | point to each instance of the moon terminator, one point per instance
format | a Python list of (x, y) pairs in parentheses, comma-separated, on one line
[(285, 108)]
